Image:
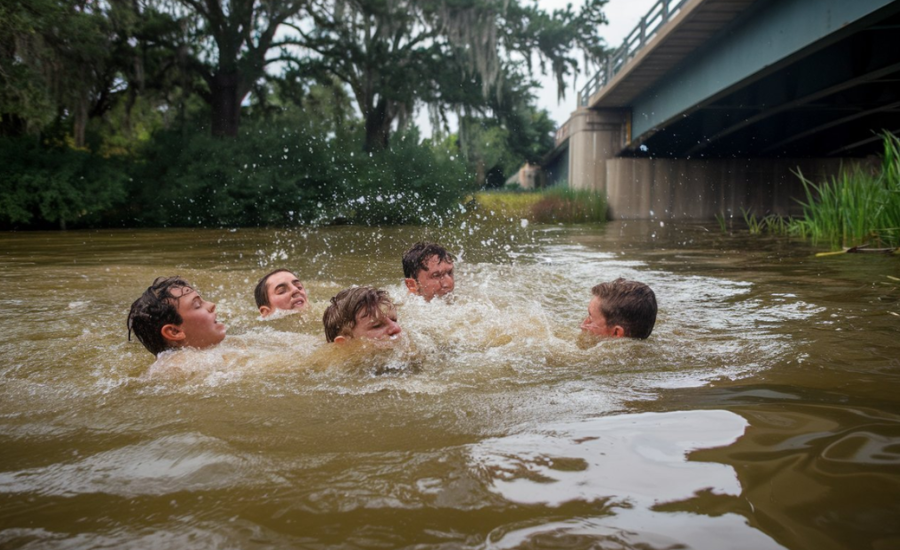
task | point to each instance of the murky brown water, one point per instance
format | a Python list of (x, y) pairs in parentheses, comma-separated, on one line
[(764, 412)]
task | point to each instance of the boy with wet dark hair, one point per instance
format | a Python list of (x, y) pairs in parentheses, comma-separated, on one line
[(621, 308), (361, 312), (170, 314), (428, 270), (280, 290)]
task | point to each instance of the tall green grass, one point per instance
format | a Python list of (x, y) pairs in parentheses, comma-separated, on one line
[(564, 205), (857, 207), (553, 205)]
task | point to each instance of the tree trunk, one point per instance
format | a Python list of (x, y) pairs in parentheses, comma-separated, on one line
[(480, 174), (378, 127), (80, 124), (226, 104)]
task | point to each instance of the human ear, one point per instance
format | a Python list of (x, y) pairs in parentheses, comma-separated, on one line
[(172, 333), (265, 311), (618, 331), (412, 285), (339, 339)]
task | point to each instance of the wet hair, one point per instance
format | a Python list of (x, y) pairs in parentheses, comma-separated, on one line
[(153, 310), (416, 258), (261, 293), (629, 304), (340, 317)]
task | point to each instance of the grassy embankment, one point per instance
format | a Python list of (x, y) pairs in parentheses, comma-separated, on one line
[(552, 205)]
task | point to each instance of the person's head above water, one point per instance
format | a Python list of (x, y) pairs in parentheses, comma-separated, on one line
[(360, 312), (280, 290), (171, 314), (621, 308), (428, 270)]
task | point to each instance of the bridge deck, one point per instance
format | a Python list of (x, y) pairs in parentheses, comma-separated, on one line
[(685, 32)]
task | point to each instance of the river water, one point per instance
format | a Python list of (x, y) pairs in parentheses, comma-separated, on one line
[(763, 412)]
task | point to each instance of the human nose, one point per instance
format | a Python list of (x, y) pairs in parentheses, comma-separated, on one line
[(393, 328), (212, 307), (586, 322)]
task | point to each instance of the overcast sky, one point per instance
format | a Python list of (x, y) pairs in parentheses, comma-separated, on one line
[(623, 16)]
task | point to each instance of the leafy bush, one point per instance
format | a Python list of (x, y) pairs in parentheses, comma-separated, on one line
[(290, 175), (406, 184), (40, 186), (282, 173), (265, 177)]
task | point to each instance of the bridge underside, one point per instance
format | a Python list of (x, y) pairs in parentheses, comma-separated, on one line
[(827, 100)]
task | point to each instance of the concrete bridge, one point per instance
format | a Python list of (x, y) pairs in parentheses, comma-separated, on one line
[(709, 106)]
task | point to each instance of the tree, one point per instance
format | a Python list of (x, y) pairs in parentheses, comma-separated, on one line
[(55, 60), (68, 62), (516, 133), (226, 43), (56, 185), (395, 55)]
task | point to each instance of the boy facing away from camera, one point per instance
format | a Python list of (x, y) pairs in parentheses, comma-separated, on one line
[(621, 308)]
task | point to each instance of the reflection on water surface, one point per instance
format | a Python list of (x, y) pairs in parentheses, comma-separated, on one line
[(762, 413)]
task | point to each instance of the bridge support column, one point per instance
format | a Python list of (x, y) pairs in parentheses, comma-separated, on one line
[(595, 136)]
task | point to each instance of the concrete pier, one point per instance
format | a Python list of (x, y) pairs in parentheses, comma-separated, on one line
[(594, 137)]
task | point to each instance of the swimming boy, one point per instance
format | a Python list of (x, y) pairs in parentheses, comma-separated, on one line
[(361, 312), (428, 270), (170, 314), (280, 290), (621, 308)]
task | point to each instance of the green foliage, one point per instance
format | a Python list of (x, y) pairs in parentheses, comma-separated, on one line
[(117, 88), (772, 223), (451, 56), (519, 134), (554, 205), (857, 207), (754, 225), (516, 204), (41, 185), (721, 220), (290, 174), (406, 184), (564, 205)]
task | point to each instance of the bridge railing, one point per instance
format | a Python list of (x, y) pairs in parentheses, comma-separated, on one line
[(659, 15)]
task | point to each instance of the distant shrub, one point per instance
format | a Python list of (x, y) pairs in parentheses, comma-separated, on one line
[(551, 205), (44, 186), (290, 176), (410, 183), (272, 177), (509, 204), (276, 173), (564, 205)]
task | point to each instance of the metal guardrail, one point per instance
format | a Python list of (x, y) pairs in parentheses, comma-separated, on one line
[(659, 15)]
